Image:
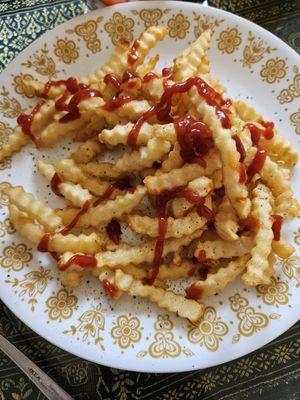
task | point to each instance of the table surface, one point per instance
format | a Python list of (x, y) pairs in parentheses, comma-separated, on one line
[(272, 372)]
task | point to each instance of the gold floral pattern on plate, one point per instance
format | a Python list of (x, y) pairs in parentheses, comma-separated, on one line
[(42, 63), (229, 40), (91, 324), (10, 107), (210, 330), (274, 294), (254, 51), (273, 70), (3, 197), (178, 26), (204, 22), (15, 257), (66, 50), (295, 120), (5, 131), (292, 91), (6, 227), (151, 16), (126, 331), (119, 27), (291, 268), (33, 284), (20, 86), (164, 344), (250, 321), (61, 305), (88, 32)]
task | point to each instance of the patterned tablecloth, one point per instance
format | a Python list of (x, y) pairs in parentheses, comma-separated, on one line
[(273, 372)]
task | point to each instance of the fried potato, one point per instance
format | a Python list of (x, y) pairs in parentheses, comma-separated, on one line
[(104, 170), (87, 151), (173, 161), (282, 248), (217, 249), (226, 221)]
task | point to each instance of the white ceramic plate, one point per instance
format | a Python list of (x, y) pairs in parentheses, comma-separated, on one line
[(133, 334)]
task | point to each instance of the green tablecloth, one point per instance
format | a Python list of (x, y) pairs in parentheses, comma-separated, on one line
[(273, 372)]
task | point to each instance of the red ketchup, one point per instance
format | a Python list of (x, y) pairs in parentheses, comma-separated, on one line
[(73, 223), (149, 76), (113, 230), (257, 132), (133, 54), (240, 147), (194, 292), (211, 97), (277, 224), (83, 261), (112, 80), (256, 164), (54, 183), (127, 75), (72, 107), (25, 121), (201, 256), (44, 242), (71, 85), (110, 289), (168, 72), (116, 102), (194, 137), (205, 212)]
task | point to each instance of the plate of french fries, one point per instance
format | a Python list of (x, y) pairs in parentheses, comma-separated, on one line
[(149, 212)]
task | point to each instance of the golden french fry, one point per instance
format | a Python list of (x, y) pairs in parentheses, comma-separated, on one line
[(100, 169), (87, 151), (226, 221), (282, 248), (224, 249), (174, 159), (185, 308)]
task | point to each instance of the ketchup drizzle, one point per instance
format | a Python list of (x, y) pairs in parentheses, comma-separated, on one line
[(109, 288), (167, 72), (54, 183), (25, 121), (113, 230), (193, 292), (112, 80), (116, 102), (84, 261), (240, 147), (149, 76), (71, 85), (257, 163), (133, 54), (276, 226), (257, 132)]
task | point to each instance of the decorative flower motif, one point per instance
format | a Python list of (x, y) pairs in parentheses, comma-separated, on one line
[(66, 50), (15, 257), (251, 321), (292, 91), (229, 40), (291, 268), (150, 16), (210, 330), (5, 131), (238, 302), (163, 322), (274, 294), (254, 51), (126, 331), (274, 70), (61, 306), (295, 119), (3, 197), (10, 107), (178, 26), (119, 27), (204, 22), (42, 62), (88, 32), (21, 87)]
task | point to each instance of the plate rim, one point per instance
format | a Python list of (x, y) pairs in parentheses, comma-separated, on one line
[(154, 367)]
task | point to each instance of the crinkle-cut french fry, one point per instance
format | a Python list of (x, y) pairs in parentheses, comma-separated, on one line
[(127, 112), (100, 169), (75, 193), (258, 268), (282, 248), (34, 208), (70, 278), (276, 180), (187, 64), (153, 89), (294, 210), (121, 205), (144, 157), (185, 308), (217, 178), (182, 176), (146, 172), (214, 283), (87, 151), (105, 274), (72, 172), (277, 148), (144, 253), (25, 225), (226, 221), (119, 134), (201, 186), (117, 64), (146, 41), (217, 249), (174, 159), (17, 139), (175, 228), (147, 66), (56, 130), (236, 191), (204, 66)]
